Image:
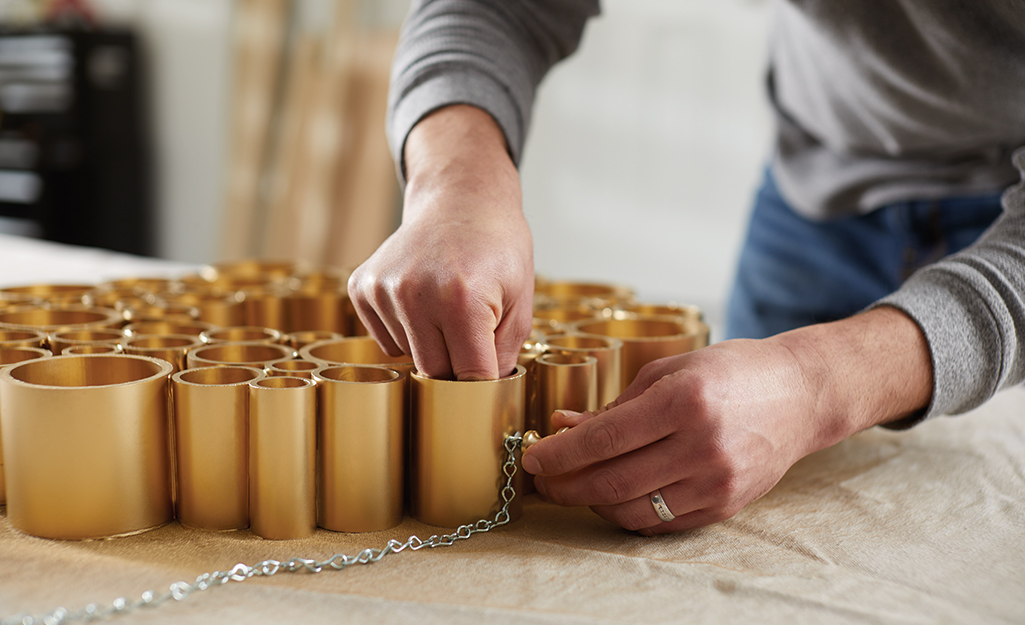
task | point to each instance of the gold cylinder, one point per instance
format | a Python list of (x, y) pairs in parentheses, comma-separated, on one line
[(362, 428), (98, 348), (211, 426), (646, 339), (595, 295), (174, 348), (267, 270), (163, 328), (61, 340), (22, 338), (217, 307), (559, 318), (296, 368), (354, 350), (67, 317), (265, 306), (86, 445), (51, 293), (135, 312), (317, 310), (282, 457), (247, 354), (459, 430), (143, 285), (9, 356), (565, 382), (669, 309), (606, 350), (302, 338), (239, 334)]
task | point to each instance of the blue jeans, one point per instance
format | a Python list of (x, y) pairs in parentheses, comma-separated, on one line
[(795, 271)]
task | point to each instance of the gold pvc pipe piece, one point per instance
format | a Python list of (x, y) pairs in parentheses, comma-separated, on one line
[(86, 445), (670, 309), (22, 338), (264, 306), (458, 434), (247, 354), (239, 334), (51, 293), (172, 348), (565, 382), (318, 310), (302, 338), (282, 457), (354, 350), (70, 317), (218, 308), (63, 339), (98, 348), (296, 368), (269, 270), (594, 294), (211, 427), (646, 339), (163, 328), (143, 285), (606, 350), (558, 319), (160, 311), (9, 356), (361, 431)]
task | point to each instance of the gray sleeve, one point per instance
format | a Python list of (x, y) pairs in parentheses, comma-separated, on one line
[(971, 307), (487, 53)]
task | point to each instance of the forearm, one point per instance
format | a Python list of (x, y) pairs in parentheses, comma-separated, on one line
[(870, 369)]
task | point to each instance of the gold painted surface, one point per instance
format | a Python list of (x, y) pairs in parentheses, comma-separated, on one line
[(282, 457), (67, 317), (50, 293), (607, 350), (458, 429), (264, 306), (218, 307), (101, 348), (174, 348), (688, 311), (302, 338), (191, 328), (9, 356), (318, 310), (211, 426), (559, 318), (297, 368), (22, 338), (362, 430), (136, 311), (63, 339), (565, 382), (355, 350), (86, 445), (239, 334), (648, 338), (246, 353)]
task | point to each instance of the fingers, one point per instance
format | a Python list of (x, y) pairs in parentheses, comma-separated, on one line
[(510, 335), (617, 431), (683, 498)]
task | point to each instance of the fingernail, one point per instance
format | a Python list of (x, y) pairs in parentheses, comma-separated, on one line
[(531, 465), (568, 414), (539, 484), (645, 532)]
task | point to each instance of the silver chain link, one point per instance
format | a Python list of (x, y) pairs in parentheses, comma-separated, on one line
[(178, 591)]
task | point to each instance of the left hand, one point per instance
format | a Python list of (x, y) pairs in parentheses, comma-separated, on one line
[(713, 429)]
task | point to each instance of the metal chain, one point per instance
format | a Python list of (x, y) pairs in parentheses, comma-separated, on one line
[(178, 591)]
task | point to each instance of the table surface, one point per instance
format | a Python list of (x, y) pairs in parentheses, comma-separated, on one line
[(886, 527)]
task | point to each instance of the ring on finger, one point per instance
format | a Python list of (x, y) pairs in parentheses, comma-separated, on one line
[(661, 509)]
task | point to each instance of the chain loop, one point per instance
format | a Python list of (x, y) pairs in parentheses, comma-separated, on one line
[(267, 568)]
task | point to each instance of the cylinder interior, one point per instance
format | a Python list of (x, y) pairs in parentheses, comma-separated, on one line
[(362, 350), (11, 355), (242, 352), (76, 371), (282, 382), (566, 359), (160, 342), (359, 374), (91, 348), (241, 334), (52, 317), (218, 375), (575, 341), (88, 336), (44, 290), (632, 328), (295, 365), (191, 328), (20, 335)]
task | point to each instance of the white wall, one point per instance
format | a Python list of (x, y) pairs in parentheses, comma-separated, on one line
[(646, 148)]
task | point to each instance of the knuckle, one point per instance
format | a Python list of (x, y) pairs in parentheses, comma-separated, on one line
[(609, 487), (603, 439), (627, 518)]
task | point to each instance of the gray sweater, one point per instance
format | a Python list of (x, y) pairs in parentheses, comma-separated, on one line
[(876, 101)]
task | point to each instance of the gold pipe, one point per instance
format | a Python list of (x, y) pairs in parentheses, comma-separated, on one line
[(607, 350), (22, 338), (174, 348), (282, 457), (99, 348), (670, 309), (86, 445), (565, 382), (217, 307), (247, 354), (211, 426), (239, 334), (110, 297), (59, 294), (302, 338), (459, 429), (134, 312), (318, 310), (559, 318), (646, 339), (9, 356), (354, 350), (264, 306), (268, 270), (362, 427), (61, 340), (70, 317), (143, 285), (296, 368), (190, 328)]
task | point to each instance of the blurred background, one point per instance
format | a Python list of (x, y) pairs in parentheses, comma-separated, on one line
[(206, 130)]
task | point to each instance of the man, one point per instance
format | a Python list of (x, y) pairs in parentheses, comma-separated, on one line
[(897, 121)]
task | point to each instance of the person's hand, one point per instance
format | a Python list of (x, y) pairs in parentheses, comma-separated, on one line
[(453, 286), (716, 429)]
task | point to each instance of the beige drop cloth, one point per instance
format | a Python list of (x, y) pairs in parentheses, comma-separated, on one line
[(925, 526)]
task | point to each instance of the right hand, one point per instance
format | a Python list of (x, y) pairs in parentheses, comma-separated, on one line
[(453, 285)]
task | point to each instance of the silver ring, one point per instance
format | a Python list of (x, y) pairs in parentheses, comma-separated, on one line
[(661, 509)]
